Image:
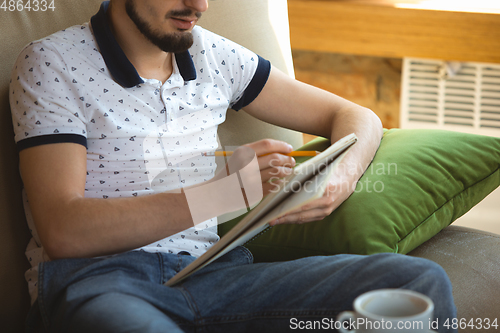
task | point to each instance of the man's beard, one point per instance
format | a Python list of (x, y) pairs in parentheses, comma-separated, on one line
[(175, 42)]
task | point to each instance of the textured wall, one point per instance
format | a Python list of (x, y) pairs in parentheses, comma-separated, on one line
[(369, 81)]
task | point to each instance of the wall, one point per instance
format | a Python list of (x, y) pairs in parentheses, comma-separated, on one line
[(369, 81)]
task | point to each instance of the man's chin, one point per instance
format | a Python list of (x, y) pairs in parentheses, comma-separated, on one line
[(177, 42)]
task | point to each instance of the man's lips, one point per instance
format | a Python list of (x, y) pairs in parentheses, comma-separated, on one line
[(183, 23)]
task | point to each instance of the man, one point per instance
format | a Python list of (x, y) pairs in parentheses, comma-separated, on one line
[(85, 100)]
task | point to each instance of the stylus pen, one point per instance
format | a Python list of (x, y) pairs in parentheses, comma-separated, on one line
[(293, 153)]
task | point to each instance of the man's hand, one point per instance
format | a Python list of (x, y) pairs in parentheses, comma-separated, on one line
[(272, 163), (339, 188)]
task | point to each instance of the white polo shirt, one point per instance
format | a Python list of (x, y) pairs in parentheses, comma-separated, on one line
[(141, 135)]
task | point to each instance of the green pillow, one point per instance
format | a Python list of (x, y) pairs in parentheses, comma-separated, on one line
[(419, 182)]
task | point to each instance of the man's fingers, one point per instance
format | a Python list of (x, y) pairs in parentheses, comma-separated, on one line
[(320, 203), (314, 211), (276, 160), (301, 217), (275, 173), (269, 146), (271, 187)]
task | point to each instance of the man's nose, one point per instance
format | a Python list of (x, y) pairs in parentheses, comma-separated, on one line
[(197, 5)]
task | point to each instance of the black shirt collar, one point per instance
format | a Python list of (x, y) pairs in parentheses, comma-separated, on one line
[(117, 62)]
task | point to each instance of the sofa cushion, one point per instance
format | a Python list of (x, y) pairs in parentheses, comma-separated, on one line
[(468, 256), (419, 182)]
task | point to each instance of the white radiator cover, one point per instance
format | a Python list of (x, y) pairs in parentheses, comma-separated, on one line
[(468, 101)]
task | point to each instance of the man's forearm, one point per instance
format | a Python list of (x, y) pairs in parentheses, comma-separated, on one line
[(368, 128), (70, 225), (87, 227)]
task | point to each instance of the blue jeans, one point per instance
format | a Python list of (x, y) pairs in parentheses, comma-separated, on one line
[(125, 293)]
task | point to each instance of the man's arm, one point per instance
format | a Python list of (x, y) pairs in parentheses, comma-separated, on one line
[(70, 225), (301, 107)]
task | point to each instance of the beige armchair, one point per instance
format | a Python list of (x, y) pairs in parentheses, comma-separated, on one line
[(471, 258)]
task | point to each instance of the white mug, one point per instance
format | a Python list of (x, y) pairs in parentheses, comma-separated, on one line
[(388, 310)]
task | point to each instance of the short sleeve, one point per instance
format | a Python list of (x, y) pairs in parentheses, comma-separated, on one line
[(255, 86), (248, 73), (243, 72), (47, 102)]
